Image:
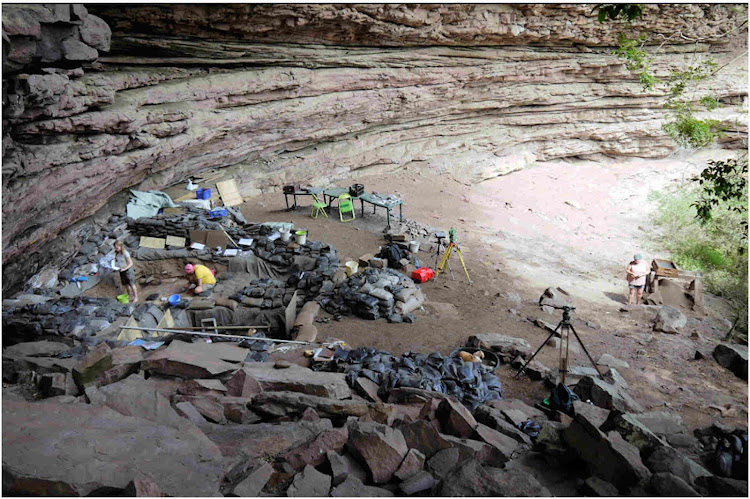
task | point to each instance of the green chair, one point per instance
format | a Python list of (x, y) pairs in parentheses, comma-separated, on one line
[(318, 207), (346, 206)]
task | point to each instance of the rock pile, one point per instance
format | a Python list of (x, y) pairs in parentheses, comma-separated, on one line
[(374, 293), (198, 418), (471, 383)]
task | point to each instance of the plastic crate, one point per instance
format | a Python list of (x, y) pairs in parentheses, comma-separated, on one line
[(203, 194)]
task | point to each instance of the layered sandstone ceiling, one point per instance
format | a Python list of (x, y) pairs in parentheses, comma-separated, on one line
[(316, 92)]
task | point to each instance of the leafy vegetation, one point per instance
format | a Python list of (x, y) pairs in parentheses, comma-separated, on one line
[(716, 247), (615, 11)]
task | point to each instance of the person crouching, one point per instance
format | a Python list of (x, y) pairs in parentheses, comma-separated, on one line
[(200, 278)]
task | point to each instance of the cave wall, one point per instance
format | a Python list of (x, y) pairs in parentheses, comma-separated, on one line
[(314, 93)]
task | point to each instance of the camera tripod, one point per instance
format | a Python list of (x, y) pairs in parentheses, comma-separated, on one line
[(565, 326), (452, 246)]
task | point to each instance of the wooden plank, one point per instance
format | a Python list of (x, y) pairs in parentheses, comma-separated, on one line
[(290, 314), (176, 241), (186, 197), (173, 211), (229, 192), (153, 242), (130, 334)]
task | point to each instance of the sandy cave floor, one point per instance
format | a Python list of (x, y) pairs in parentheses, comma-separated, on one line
[(568, 224)]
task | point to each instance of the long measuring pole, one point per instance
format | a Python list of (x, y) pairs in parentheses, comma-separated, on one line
[(182, 331)]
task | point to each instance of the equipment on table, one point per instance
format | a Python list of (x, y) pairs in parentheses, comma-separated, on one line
[(291, 188), (356, 190), (452, 245), (318, 207), (346, 206), (565, 326)]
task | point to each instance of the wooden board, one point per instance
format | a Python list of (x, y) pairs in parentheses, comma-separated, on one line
[(229, 192), (153, 242), (173, 211), (130, 334), (290, 314), (176, 241), (211, 238)]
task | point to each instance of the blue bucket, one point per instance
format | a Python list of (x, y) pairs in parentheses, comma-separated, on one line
[(174, 300)]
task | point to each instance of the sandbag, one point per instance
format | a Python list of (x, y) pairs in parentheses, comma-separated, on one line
[(412, 304), (307, 315), (307, 332), (405, 294), (226, 302), (201, 304), (382, 294), (252, 302)]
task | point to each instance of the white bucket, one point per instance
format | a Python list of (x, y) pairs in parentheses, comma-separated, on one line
[(301, 237), (285, 235), (351, 268), (414, 246)]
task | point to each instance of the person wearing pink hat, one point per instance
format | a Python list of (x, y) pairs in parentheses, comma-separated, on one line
[(200, 278)]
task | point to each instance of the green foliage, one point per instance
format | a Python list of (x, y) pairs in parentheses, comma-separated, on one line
[(723, 186), (709, 102), (615, 11), (716, 247), (636, 59), (689, 131)]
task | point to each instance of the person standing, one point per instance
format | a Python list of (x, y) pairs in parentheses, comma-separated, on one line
[(636, 275), (127, 272)]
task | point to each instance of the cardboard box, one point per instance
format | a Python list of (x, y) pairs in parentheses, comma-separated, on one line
[(364, 260)]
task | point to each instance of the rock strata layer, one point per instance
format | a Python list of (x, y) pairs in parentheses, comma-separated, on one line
[(313, 93)]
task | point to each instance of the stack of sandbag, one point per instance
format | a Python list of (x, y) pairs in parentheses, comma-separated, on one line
[(374, 293), (470, 382)]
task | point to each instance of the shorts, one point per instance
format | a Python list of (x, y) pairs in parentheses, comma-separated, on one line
[(636, 286), (127, 277)]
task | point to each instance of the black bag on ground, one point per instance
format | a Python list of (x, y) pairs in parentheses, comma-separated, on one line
[(562, 399), (392, 253)]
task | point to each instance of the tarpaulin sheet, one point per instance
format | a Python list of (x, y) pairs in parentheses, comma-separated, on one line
[(260, 269), (148, 204)]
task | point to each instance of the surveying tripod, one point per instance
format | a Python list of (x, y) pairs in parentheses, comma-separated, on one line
[(565, 327), (452, 245)]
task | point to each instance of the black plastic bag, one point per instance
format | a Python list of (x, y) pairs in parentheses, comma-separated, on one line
[(562, 399)]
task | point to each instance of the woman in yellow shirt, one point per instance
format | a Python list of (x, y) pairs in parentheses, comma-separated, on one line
[(200, 278)]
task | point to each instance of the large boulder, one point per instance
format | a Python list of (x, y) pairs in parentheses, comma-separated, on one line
[(81, 449), (455, 419), (314, 451), (424, 437), (501, 343), (472, 479), (669, 485), (292, 404), (605, 395), (608, 456), (256, 479), (92, 365), (195, 360), (732, 357), (663, 424), (380, 447), (633, 431), (298, 379), (668, 460), (497, 420), (309, 483), (504, 446), (353, 487), (669, 320)]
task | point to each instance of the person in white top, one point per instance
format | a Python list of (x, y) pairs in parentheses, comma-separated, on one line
[(636, 275)]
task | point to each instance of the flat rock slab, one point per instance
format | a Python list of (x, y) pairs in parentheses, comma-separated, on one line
[(310, 483), (35, 348), (501, 342), (195, 360), (471, 479), (255, 481), (299, 379), (381, 447), (76, 449), (610, 361), (263, 439), (662, 423), (353, 487)]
